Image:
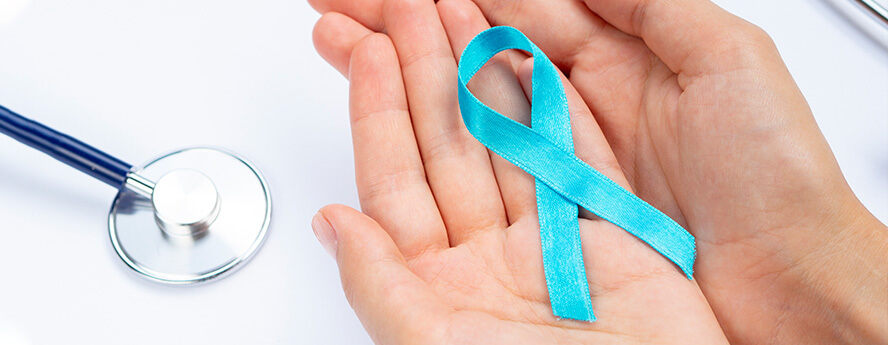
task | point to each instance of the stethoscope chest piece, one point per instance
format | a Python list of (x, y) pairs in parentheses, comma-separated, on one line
[(207, 212)]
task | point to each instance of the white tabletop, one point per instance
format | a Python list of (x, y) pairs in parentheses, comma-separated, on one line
[(141, 78)]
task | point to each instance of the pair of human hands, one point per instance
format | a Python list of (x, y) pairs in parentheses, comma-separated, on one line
[(680, 102)]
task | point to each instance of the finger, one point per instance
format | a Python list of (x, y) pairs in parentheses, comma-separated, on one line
[(334, 36), (612, 256), (662, 95), (458, 166), (463, 20), (497, 86), (688, 35), (390, 300), (607, 66), (390, 178), (590, 145), (366, 12), (614, 259), (561, 28)]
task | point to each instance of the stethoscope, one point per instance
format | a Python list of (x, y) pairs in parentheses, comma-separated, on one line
[(875, 9), (184, 217)]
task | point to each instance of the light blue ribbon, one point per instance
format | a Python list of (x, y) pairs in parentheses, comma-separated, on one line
[(563, 181)]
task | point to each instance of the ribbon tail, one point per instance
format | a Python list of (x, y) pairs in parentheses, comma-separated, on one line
[(563, 181), (563, 256)]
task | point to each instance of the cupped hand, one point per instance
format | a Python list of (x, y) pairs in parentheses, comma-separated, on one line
[(707, 125), (449, 250)]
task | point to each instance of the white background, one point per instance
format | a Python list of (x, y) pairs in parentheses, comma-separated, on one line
[(138, 78)]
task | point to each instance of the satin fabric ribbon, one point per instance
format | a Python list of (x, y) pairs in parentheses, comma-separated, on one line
[(563, 181)]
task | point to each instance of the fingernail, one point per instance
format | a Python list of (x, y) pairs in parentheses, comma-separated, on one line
[(325, 233)]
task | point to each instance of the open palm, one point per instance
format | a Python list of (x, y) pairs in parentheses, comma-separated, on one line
[(452, 252), (709, 127), (704, 121)]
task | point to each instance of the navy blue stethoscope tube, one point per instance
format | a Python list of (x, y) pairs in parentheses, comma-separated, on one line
[(64, 148)]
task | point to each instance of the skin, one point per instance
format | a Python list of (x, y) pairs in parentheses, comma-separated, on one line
[(684, 104)]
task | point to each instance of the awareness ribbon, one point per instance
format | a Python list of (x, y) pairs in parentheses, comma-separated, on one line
[(563, 181)]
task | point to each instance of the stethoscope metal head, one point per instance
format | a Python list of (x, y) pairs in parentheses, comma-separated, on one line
[(185, 217), (206, 213)]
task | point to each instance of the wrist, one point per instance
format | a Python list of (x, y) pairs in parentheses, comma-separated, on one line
[(858, 279), (846, 274)]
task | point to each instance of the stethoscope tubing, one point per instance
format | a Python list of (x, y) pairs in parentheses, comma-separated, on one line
[(160, 247), (68, 150)]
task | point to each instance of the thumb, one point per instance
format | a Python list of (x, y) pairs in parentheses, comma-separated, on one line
[(394, 305), (695, 37)]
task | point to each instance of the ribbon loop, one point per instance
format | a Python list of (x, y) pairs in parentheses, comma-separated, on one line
[(563, 181)]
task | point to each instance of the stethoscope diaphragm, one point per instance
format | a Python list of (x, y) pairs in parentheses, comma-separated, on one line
[(207, 213)]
